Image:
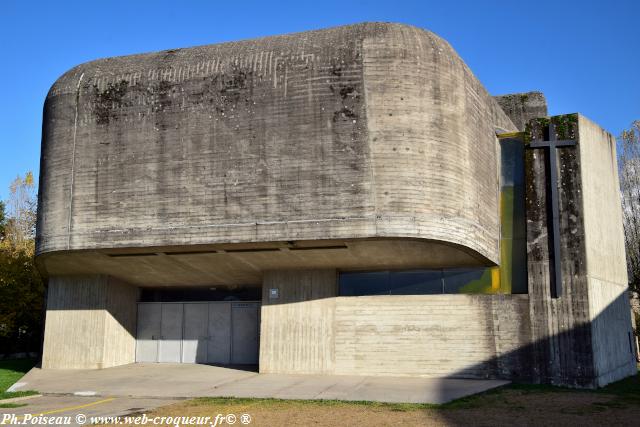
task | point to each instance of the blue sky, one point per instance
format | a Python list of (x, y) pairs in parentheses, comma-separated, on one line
[(584, 55)]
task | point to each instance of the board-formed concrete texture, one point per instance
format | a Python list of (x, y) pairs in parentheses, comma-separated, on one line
[(268, 170), (311, 331), (90, 323), (370, 130), (522, 107), (583, 338)]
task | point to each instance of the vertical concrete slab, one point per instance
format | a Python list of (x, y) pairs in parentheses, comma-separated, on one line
[(561, 330), (522, 107), (613, 344), (90, 323), (581, 338), (120, 323), (297, 326)]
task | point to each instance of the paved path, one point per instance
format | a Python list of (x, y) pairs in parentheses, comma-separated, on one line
[(167, 380), (57, 408)]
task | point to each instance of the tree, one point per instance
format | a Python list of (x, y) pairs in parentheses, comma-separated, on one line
[(3, 220), (21, 288), (629, 170), (20, 228)]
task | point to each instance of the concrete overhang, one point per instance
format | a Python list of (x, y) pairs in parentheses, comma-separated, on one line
[(244, 264), (367, 131)]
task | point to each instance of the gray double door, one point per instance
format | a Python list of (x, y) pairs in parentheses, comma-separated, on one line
[(225, 333)]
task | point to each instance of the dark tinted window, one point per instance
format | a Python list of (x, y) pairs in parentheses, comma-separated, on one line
[(415, 282), (418, 282), (366, 283), (467, 280)]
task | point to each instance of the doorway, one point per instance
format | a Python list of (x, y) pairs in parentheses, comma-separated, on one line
[(216, 332)]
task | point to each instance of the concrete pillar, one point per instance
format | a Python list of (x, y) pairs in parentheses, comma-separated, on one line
[(297, 322), (90, 323), (581, 338), (609, 308)]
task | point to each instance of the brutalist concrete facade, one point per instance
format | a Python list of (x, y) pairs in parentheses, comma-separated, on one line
[(279, 163)]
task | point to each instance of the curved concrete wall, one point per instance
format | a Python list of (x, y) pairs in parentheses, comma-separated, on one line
[(370, 130)]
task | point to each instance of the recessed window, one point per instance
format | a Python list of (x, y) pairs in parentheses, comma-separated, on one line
[(364, 283), (416, 282)]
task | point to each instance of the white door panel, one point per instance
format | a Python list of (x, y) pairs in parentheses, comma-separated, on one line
[(170, 346)]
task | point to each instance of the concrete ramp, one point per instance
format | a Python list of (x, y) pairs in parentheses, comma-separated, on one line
[(172, 380)]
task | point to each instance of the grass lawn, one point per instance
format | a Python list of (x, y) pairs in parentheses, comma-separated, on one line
[(10, 372), (617, 404)]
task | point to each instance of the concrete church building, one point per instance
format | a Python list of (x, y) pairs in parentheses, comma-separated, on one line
[(342, 201)]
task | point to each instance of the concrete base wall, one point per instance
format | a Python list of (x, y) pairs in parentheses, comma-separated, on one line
[(90, 323), (466, 336), (307, 329), (613, 340), (297, 327)]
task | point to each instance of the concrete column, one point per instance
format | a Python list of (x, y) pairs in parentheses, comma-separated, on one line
[(90, 323), (609, 308), (297, 324), (581, 338)]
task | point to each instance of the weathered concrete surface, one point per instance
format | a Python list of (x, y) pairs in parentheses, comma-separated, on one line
[(580, 339), (560, 326), (168, 380), (613, 344), (307, 329), (297, 329), (522, 107), (454, 336), (352, 132), (245, 263), (90, 323)]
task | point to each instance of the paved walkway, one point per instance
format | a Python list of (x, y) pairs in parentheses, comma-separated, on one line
[(75, 410), (168, 380)]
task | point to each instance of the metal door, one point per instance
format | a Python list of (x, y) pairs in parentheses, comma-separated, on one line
[(219, 347), (200, 332), (244, 333), (170, 345), (195, 336), (148, 332)]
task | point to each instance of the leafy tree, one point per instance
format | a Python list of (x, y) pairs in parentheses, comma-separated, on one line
[(3, 220), (20, 229), (629, 169), (21, 288)]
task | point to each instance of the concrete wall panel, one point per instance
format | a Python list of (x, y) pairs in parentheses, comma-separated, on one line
[(352, 132), (90, 323), (307, 329), (609, 307), (297, 328), (464, 336)]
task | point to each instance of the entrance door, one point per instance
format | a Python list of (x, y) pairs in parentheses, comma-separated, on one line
[(220, 333), (219, 350), (195, 333), (148, 332), (170, 345)]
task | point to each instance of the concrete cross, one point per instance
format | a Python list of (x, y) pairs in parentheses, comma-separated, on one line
[(551, 145)]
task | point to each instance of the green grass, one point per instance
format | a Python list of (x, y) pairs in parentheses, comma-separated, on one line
[(266, 402), (10, 372), (624, 392)]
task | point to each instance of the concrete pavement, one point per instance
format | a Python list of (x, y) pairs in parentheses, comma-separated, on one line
[(168, 380), (57, 408)]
